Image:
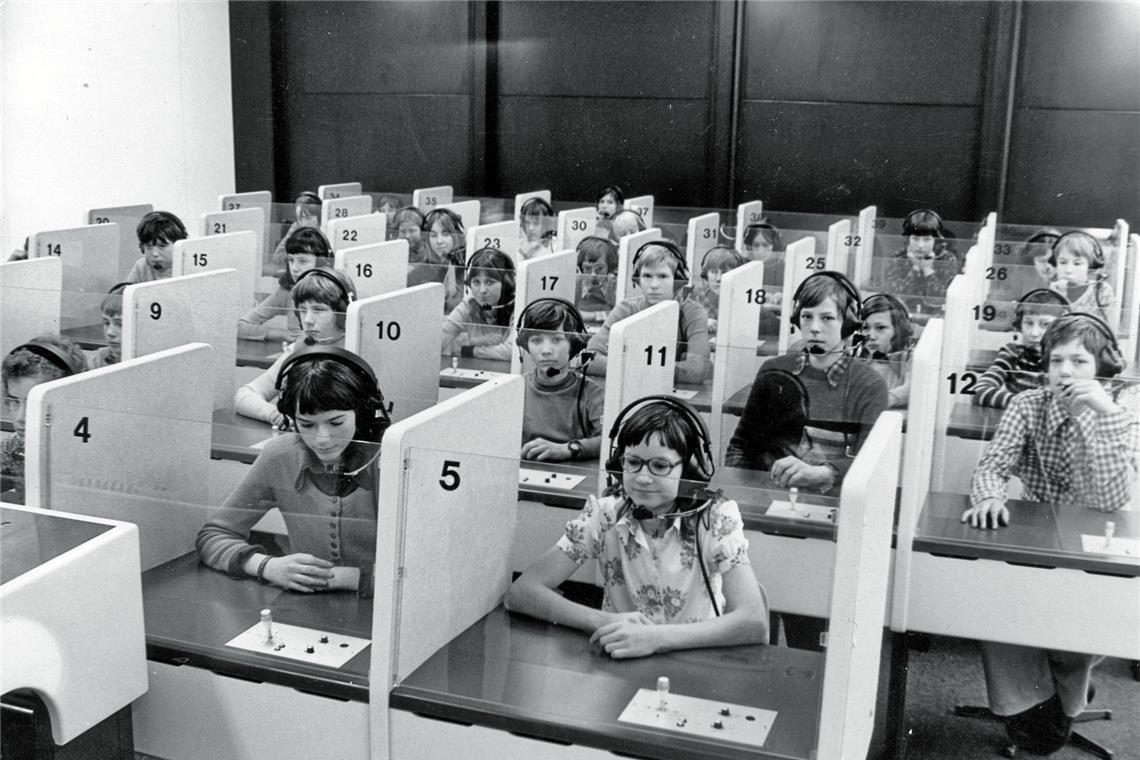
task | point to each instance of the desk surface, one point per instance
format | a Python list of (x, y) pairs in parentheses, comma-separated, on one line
[(191, 612), (977, 423), (250, 353), (1045, 535), (522, 675), (30, 539)]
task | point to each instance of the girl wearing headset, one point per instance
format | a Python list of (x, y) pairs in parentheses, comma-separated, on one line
[(673, 557), (536, 228), (925, 265), (306, 248), (887, 338), (307, 213), (480, 326), (322, 477), (1079, 258)]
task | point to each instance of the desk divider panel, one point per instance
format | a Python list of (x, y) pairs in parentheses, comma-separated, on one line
[(839, 244), (643, 205), (254, 219), (128, 442), (398, 334), (232, 250), (801, 261), (446, 525), (641, 361), (501, 235), (703, 236), (345, 207), (468, 211), (30, 300), (427, 199), (262, 199), (1116, 273), (748, 213), (199, 308), (522, 198), (377, 268), (865, 230), (627, 247), (353, 231), (575, 224), (549, 276), (957, 335), (859, 594), (340, 190), (735, 363), (128, 218), (93, 262), (1132, 294), (921, 430)]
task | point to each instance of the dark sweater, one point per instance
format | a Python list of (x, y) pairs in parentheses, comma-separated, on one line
[(1016, 368)]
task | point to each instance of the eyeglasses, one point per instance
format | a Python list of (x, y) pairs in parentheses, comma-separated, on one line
[(659, 467)]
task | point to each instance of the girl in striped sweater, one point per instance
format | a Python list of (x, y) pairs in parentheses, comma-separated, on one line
[(1017, 367)]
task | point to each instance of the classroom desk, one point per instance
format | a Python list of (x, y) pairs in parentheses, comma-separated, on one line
[(530, 681), (250, 353), (976, 423), (233, 436)]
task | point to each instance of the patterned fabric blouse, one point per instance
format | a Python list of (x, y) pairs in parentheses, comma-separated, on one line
[(657, 577)]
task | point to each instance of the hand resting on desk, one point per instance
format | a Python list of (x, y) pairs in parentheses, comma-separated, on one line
[(792, 471), (991, 513), (542, 450), (296, 572)]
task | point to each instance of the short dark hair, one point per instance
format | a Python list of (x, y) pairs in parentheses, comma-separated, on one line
[(160, 228), (305, 241), (594, 248), (923, 222), (1084, 328), (615, 191), (550, 316), (327, 385), (24, 363)]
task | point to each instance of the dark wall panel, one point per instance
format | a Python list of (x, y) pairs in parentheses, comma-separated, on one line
[(878, 52), (251, 73), (837, 158)]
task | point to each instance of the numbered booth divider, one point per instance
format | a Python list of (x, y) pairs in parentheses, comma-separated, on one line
[(231, 250), (643, 205), (1117, 269), (550, 276), (1131, 296), (427, 199), (263, 200), (128, 442), (748, 213), (92, 263), (735, 363), (398, 335), (703, 232), (501, 235), (199, 308), (801, 262), (840, 241), (30, 300), (445, 530), (375, 269), (627, 248), (468, 211), (254, 219), (955, 386), (353, 231), (575, 224), (128, 218), (522, 198), (868, 223), (345, 207), (340, 190)]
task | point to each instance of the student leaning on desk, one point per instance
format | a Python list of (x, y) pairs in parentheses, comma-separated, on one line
[(674, 558), (1070, 443)]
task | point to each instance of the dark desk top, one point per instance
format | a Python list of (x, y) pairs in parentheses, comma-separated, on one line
[(28, 539), (754, 492), (483, 365), (977, 423), (517, 674), (250, 353), (233, 436), (1044, 535), (191, 612)]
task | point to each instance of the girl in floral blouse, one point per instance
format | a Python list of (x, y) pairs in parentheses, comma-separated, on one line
[(674, 558)]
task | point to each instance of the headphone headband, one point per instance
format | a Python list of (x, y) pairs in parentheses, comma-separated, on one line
[(1111, 358), (850, 314), (577, 328), (937, 218), (740, 260), (1097, 261), (706, 466), (317, 272), (681, 273), (435, 213), (53, 353)]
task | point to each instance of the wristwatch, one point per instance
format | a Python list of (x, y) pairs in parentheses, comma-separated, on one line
[(575, 447)]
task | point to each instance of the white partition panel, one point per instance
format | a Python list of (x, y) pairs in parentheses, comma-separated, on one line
[(340, 190), (1131, 296), (30, 300), (641, 360), (859, 594), (643, 205), (262, 199), (865, 231), (428, 198), (352, 231), (233, 250), (627, 247), (735, 362), (375, 269), (253, 219), (398, 335), (801, 261), (468, 211), (958, 331), (501, 235), (575, 224), (1117, 266), (200, 308), (703, 235), (522, 198), (128, 218), (92, 263), (344, 207), (839, 244), (746, 214), (550, 276), (128, 442), (446, 525)]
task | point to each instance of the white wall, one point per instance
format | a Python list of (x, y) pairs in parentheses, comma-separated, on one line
[(112, 103)]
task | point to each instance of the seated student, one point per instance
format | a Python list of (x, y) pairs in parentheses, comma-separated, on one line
[(157, 232), (305, 249), (920, 272), (611, 200), (714, 264), (673, 556), (763, 242), (887, 344), (625, 223), (480, 326), (1038, 253), (845, 395), (409, 224), (111, 310), (597, 277), (1070, 444), (536, 228), (1017, 366), (445, 252), (661, 273), (1079, 260), (47, 357), (785, 400), (562, 411), (322, 477), (321, 297), (388, 205), (307, 210)]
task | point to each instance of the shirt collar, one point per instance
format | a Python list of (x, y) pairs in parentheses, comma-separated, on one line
[(628, 528), (358, 463), (833, 373)]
